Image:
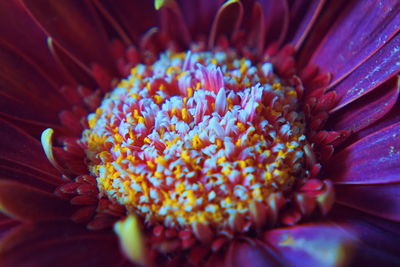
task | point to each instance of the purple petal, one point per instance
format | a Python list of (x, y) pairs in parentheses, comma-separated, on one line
[(372, 160), (389, 119), (381, 200), (378, 238), (366, 110), (362, 28), (379, 68), (303, 14), (311, 245), (372, 231), (251, 255)]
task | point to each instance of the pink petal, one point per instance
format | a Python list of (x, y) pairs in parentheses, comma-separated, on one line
[(303, 14), (75, 27), (362, 28), (372, 160), (382, 66), (311, 245), (28, 203), (381, 200), (366, 110)]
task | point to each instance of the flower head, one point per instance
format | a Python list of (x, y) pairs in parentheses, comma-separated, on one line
[(200, 132)]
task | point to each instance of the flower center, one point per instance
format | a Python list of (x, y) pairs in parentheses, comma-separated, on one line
[(200, 137)]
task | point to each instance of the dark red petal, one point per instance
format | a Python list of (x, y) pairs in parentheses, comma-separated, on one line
[(226, 22), (372, 160), (382, 66), (303, 14), (276, 13), (40, 181), (251, 255), (173, 24), (256, 28), (6, 225), (382, 200), (88, 251), (30, 233), (366, 110), (17, 146), (19, 31), (311, 245), (24, 90), (135, 17), (362, 28), (27, 203), (75, 27), (199, 14)]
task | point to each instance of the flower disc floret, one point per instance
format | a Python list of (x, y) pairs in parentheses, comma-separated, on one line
[(201, 137)]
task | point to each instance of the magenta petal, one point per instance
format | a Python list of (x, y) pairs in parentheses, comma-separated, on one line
[(372, 160), (17, 146), (381, 200), (311, 245), (382, 66), (251, 255), (366, 110), (303, 14), (75, 27), (362, 28), (27, 203)]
